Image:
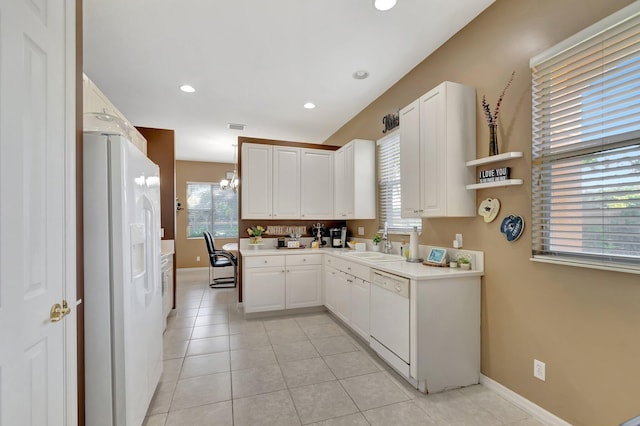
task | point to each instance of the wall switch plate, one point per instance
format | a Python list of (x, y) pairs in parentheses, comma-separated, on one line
[(539, 370), (360, 230), (197, 258), (459, 240)]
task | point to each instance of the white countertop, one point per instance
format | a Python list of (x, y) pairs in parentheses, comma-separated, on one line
[(416, 271)]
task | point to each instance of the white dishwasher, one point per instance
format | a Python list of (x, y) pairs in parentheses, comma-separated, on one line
[(389, 325)]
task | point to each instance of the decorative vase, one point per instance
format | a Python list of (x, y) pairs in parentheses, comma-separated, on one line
[(493, 139), (375, 247), (255, 240)]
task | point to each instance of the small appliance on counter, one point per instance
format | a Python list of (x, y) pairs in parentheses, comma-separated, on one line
[(318, 233), (338, 237)]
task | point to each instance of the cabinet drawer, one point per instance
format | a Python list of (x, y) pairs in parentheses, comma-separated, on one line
[(335, 262), (263, 261), (304, 259), (358, 270)]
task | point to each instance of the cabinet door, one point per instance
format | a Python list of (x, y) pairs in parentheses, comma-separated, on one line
[(316, 184), (256, 181), (410, 160), (264, 289), (349, 181), (343, 297), (303, 286), (360, 307), (433, 153), (340, 207), (286, 182), (330, 288)]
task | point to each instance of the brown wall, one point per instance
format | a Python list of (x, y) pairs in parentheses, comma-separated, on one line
[(583, 323), (187, 249), (161, 150)]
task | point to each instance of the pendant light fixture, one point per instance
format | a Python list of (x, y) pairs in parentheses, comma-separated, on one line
[(384, 5), (234, 182)]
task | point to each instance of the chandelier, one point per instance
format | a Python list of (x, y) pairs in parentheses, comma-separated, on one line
[(234, 181)]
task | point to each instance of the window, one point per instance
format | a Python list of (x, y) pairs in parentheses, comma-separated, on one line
[(389, 190), (586, 146), (212, 209)]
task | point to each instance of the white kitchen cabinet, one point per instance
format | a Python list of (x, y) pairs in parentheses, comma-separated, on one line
[(273, 283), (95, 101), (257, 183), (360, 291), (410, 159), (286, 182), (316, 184), (304, 286), (264, 289), (347, 289), (343, 297), (355, 180), (330, 287), (437, 139)]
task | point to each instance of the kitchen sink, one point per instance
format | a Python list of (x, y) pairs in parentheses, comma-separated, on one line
[(375, 256)]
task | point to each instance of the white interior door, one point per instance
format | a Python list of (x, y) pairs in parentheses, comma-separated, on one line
[(37, 224)]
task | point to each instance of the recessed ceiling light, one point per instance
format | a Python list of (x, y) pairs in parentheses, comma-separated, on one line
[(187, 89), (360, 74), (309, 105), (384, 5)]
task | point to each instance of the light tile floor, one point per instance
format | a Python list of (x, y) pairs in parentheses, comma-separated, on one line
[(220, 369)]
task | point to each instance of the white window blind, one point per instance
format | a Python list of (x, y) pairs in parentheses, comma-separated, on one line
[(586, 145), (389, 189)]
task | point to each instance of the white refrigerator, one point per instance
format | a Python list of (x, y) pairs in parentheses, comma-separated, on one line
[(122, 287)]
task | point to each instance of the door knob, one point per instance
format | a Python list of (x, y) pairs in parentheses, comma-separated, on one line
[(58, 312)]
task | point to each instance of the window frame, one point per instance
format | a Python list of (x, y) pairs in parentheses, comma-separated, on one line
[(212, 187), (547, 159)]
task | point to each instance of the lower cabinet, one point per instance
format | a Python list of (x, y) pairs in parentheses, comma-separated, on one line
[(272, 283), (264, 289), (360, 307), (303, 286), (347, 288)]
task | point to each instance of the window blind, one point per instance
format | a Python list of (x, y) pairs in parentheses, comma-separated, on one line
[(389, 188), (586, 145)]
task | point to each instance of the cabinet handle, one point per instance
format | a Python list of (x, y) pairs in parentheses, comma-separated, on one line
[(283, 271), (288, 271), (304, 259), (265, 261)]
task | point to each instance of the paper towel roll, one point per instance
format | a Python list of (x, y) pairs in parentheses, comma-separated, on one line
[(413, 246)]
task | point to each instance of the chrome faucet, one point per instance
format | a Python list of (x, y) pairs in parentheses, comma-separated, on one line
[(387, 246)]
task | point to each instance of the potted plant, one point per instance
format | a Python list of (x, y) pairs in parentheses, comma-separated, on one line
[(376, 242), (255, 234), (464, 261)]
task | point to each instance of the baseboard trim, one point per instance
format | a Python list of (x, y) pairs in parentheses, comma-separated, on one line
[(535, 410)]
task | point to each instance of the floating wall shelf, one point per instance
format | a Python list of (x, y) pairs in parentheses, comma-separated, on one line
[(494, 159), (508, 182)]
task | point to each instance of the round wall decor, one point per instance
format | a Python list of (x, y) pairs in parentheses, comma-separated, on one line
[(512, 227), (489, 209)]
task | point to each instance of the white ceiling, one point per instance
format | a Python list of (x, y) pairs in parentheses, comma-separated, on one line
[(256, 62)]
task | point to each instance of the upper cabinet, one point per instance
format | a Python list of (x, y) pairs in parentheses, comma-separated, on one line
[(355, 180), (437, 138), (284, 182), (257, 184), (95, 101), (316, 184)]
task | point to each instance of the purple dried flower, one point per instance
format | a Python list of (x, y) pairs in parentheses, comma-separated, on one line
[(493, 118)]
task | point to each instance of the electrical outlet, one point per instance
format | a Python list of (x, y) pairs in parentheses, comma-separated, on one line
[(539, 370), (459, 240), (197, 258), (360, 230)]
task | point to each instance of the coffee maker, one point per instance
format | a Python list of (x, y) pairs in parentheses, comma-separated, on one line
[(338, 237)]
